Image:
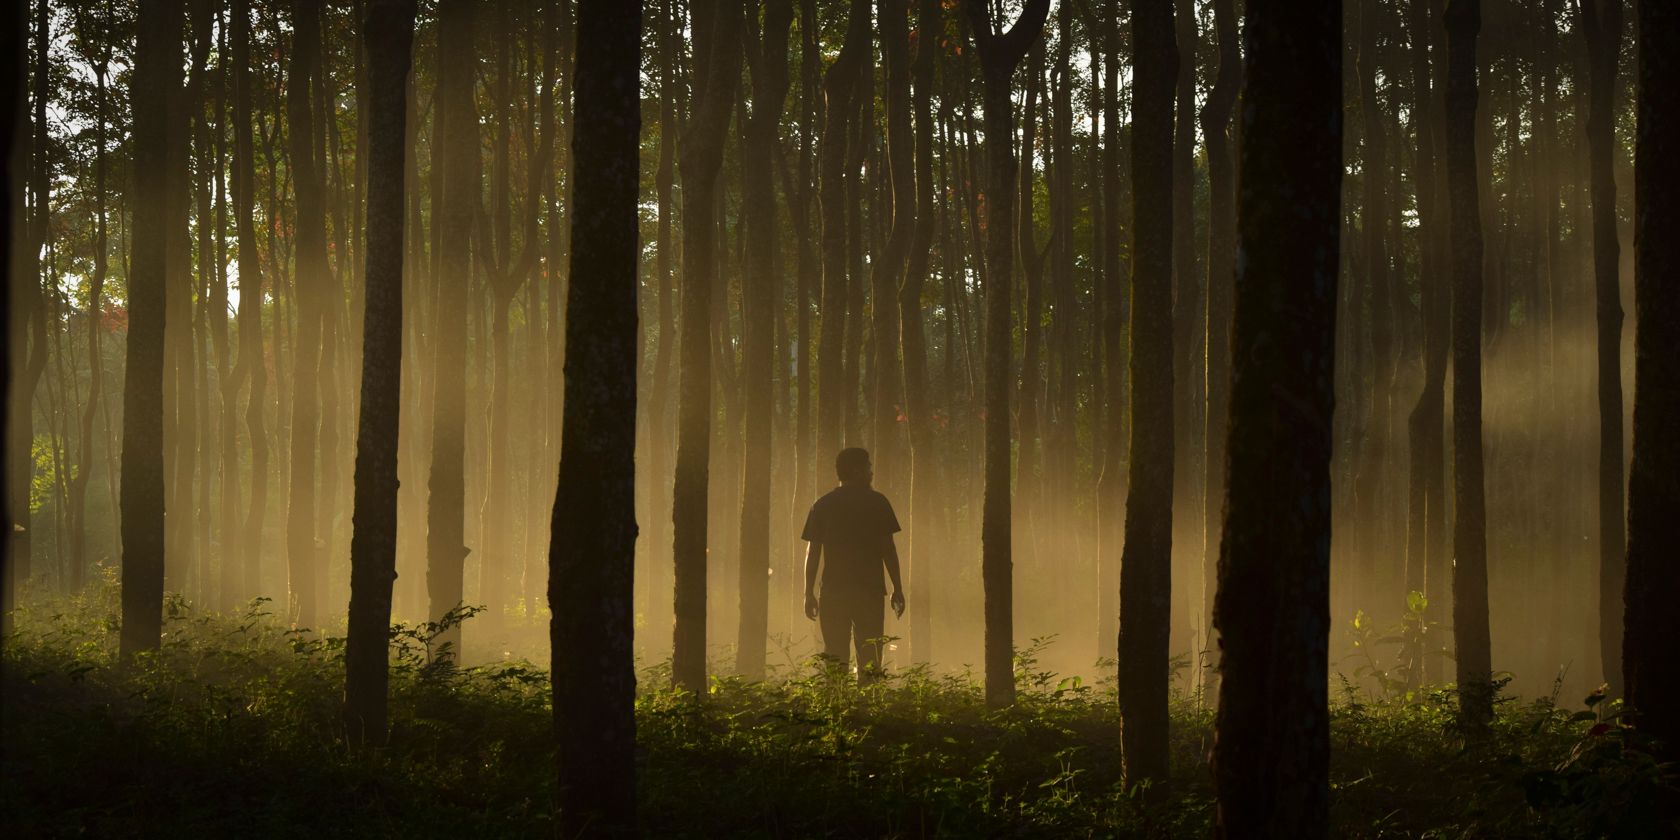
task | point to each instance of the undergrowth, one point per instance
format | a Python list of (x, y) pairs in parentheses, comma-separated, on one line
[(232, 728)]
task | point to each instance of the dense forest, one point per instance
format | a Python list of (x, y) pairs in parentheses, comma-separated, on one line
[(1273, 396)]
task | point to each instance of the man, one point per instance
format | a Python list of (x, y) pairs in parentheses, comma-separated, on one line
[(850, 530)]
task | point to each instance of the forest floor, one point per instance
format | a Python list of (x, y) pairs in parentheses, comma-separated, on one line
[(232, 729)]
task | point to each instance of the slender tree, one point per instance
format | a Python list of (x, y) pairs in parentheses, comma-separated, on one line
[(1221, 273), (717, 49), (835, 173), (1653, 625), (592, 552), (457, 162), (311, 285), (387, 36), (760, 298), (1146, 563), (1601, 27), (1470, 600), (1000, 52), (913, 338), (12, 29), (1271, 753), (157, 75)]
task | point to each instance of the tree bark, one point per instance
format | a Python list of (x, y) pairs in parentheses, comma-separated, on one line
[(157, 75), (388, 35), (1271, 753), (1222, 266), (458, 162), (717, 49), (1000, 52), (760, 307), (1470, 600), (592, 553), (913, 338), (1601, 24), (1653, 625), (1146, 560)]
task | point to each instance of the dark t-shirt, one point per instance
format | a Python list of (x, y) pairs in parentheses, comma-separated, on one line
[(853, 524)]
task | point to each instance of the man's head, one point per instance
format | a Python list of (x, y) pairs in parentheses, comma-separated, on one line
[(852, 465)]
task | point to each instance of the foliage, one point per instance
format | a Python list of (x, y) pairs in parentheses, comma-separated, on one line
[(233, 726)]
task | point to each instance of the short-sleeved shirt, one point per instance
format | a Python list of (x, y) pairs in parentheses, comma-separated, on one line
[(853, 523)]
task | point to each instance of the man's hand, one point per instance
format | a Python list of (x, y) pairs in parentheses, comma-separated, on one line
[(898, 603), (810, 606)]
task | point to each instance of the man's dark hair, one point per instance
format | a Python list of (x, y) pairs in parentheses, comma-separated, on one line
[(852, 464)]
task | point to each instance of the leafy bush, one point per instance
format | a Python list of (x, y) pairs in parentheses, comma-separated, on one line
[(232, 726)]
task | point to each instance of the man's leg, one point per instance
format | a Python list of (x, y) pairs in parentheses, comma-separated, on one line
[(869, 620), (835, 620)]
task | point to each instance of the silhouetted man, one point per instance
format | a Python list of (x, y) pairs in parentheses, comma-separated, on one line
[(850, 530)]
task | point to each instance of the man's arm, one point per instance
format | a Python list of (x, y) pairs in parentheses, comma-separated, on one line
[(813, 556), (891, 559)]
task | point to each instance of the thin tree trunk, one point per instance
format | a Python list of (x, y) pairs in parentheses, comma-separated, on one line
[(1470, 599), (760, 308), (1221, 276), (1601, 23), (157, 74), (388, 35), (717, 39), (458, 159), (1000, 53), (913, 338), (1146, 562)]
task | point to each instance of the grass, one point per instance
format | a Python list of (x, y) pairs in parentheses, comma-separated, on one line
[(232, 728)]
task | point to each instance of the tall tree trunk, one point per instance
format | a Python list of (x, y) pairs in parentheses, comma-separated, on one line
[(888, 267), (1470, 599), (101, 62), (592, 555), (1601, 24), (1222, 266), (1373, 420), (250, 300), (1146, 562), (1271, 752), (1653, 625), (1000, 52), (717, 48), (457, 158), (388, 35), (157, 75), (1426, 531), (1027, 255), (311, 285), (839, 87), (913, 338), (13, 33), (760, 308)]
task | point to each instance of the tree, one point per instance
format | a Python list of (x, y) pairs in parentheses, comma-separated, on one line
[(1470, 605), (388, 37), (1426, 531), (157, 75), (1000, 52), (1146, 562), (717, 50), (1653, 625), (886, 274), (1271, 752), (834, 172), (592, 552), (1222, 259), (12, 29), (458, 165), (913, 340), (310, 281), (760, 301), (1601, 26), (250, 297)]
